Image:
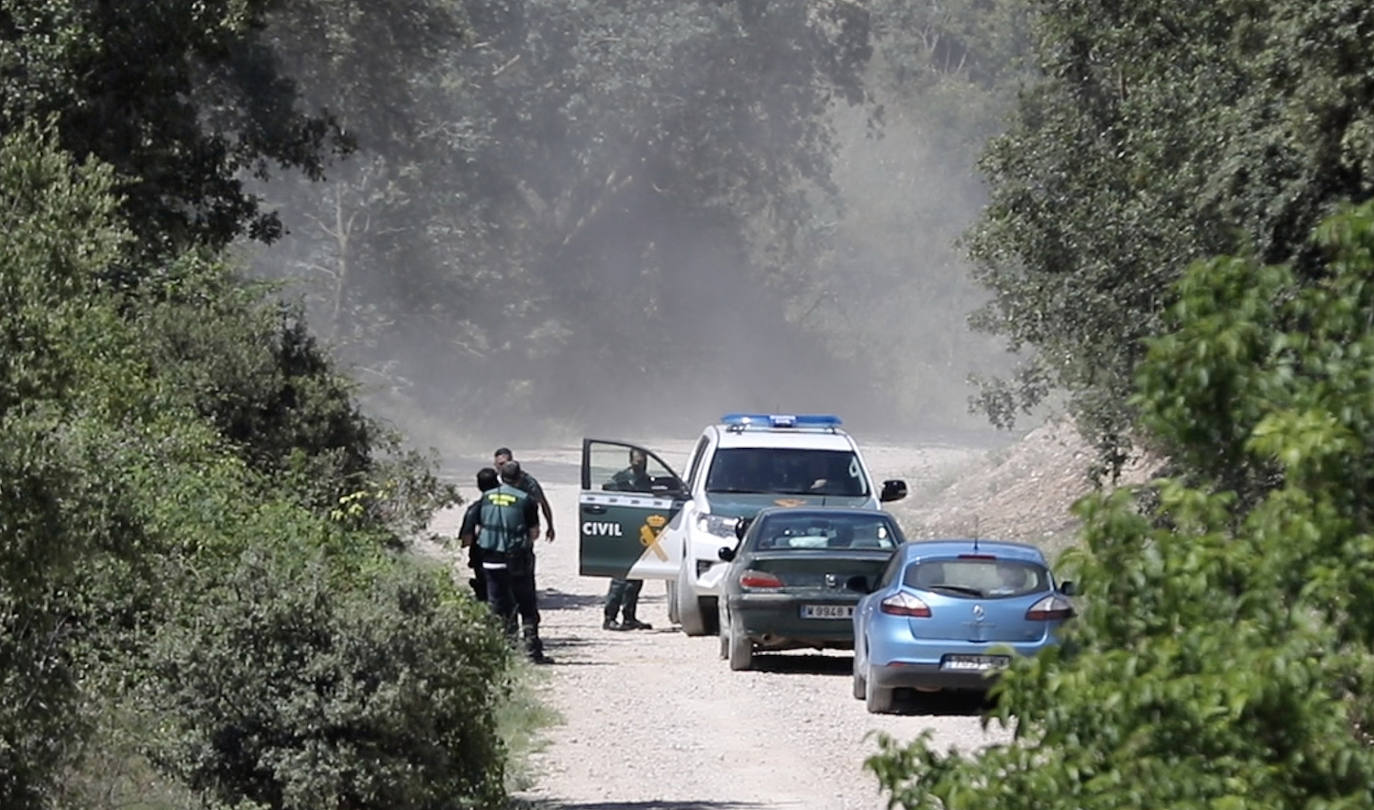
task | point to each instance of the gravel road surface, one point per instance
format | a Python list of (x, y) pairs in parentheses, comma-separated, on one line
[(654, 720)]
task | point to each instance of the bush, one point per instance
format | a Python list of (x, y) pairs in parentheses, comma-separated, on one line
[(1227, 651), (286, 691), (195, 603)]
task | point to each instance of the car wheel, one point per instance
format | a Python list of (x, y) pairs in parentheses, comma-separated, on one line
[(860, 685), (723, 633), (710, 615), (876, 699), (672, 601), (689, 616), (741, 647)]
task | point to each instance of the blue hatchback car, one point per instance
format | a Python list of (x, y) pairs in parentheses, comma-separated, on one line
[(945, 613)]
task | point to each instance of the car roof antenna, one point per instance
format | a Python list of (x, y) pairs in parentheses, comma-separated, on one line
[(975, 534)]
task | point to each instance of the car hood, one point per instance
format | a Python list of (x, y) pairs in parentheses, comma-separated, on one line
[(746, 505)]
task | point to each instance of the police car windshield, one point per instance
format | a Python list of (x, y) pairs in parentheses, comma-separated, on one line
[(786, 471)]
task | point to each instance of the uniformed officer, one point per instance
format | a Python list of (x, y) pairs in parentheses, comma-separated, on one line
[(487, 479), (508, 527), (623, 595), (531, 487)]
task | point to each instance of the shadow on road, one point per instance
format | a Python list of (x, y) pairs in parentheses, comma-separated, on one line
[(554, 599), (803, 664), (941, 704), (544, 804)]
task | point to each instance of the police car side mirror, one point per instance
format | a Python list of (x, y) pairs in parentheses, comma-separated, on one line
[(742, 526), (893, 490), (726, 553), (1068, 588)]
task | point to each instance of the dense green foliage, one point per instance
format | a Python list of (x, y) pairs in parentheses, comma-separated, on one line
[(189, 495), (385, 701), (1224, 659), (1159, 133), (178, 97)]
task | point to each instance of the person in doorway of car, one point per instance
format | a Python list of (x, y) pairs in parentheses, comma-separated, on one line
[(487, 479), (508, 525), (634, 478), (622, 598), (531, 487)]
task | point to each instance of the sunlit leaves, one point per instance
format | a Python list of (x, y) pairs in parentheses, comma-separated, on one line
[(1157, 134), (1226, 646), (176, 96)]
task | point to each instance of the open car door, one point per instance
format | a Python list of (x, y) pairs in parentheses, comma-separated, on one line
[(628, 496)]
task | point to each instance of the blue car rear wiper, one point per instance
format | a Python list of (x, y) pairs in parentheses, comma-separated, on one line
[(974, 592)]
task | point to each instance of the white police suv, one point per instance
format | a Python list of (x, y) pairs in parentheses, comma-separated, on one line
[(640, 520)]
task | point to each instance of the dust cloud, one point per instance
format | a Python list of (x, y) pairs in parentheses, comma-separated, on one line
[(589, 260)]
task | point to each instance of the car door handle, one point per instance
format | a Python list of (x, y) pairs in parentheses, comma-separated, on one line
[(593, 509)]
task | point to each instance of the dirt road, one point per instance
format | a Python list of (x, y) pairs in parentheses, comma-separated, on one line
[(654, 720)]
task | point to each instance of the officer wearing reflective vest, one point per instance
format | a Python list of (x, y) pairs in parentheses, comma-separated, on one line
[(487, 479), (509, 525)]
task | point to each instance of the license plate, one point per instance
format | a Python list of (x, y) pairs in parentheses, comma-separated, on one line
[(975, 663), (827, 611)]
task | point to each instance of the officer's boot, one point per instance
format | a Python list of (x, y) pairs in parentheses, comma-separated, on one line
[(614, 595), (629, 622), (534, 646)]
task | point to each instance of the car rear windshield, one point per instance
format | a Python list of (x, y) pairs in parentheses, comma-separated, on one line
[(977, 578), (787, 471), (812, 531)]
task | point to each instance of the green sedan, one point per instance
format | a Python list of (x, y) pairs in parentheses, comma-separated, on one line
[(795, 577)]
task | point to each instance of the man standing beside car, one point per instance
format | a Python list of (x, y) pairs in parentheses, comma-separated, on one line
[(623, 595)]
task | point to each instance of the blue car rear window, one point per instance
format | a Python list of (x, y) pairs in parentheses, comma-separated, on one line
[(811, 531), (977, 578)]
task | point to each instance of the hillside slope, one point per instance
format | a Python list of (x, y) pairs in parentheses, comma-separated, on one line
[(1019, 492)]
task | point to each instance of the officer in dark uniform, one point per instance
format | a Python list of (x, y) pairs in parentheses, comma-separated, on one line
[(508, 525), (487, 479), (531, 487), (623, 595)]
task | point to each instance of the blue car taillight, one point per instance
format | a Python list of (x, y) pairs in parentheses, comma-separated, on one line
[(905, 604), (1050, 608)]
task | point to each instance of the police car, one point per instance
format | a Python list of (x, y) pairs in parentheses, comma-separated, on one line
[(639, 519)]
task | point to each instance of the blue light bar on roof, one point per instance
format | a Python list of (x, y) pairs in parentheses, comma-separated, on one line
[(781, 420)]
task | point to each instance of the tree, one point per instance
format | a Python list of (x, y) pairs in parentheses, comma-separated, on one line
[(58, 229), (1159, 134), (164, 450), (1225, 655), (179, 98)]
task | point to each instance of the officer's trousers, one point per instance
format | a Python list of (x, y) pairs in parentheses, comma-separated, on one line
[(511, 593), (479, 577), (623, 595)]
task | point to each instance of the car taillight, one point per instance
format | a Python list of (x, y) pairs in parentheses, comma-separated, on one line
[(759, 579), (904, 604), (1050, 608)]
